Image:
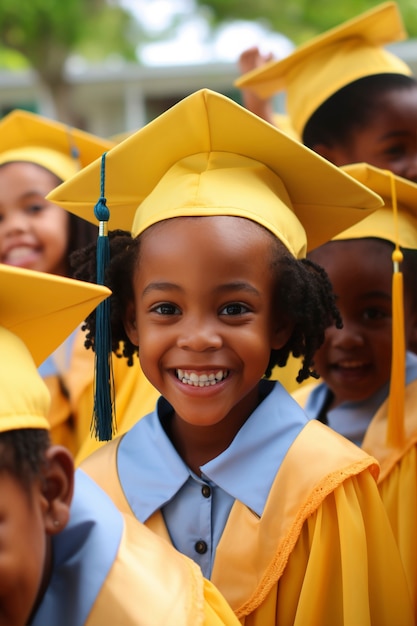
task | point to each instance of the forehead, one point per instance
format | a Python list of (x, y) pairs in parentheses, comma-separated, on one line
[(206, 250), (396, 101), (218, 231), (359, 262)]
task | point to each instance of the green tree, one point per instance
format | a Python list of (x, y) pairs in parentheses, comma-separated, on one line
[(46, 32), (300, 19)]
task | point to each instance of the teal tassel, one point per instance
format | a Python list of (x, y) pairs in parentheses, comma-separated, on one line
[(103, 419)]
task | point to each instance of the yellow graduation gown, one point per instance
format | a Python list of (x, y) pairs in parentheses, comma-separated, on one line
[(72, 400), (397, 482), (322, 553), (151, 585)]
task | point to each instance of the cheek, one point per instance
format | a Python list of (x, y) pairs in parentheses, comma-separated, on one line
[(22, 560)]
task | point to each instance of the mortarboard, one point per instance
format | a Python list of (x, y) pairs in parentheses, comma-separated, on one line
[(208, 155), (37, 312), (319, 68), (61, 149)]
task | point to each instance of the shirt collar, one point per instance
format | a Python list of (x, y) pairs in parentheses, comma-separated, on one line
[(151, 472)]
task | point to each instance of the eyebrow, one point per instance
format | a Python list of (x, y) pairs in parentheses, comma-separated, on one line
[(395, 134), (235, 286)]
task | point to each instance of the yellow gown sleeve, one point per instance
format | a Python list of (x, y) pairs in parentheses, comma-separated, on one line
[(60, 415), (151, 584)]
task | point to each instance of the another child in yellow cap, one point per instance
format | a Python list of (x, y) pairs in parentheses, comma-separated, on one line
[(348, 98), (36, 154), (68, 557), (368, 387), (211, 287)]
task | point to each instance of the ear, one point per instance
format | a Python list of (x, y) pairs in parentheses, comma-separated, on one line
[(57, 488), (129, 322), (282, 333)]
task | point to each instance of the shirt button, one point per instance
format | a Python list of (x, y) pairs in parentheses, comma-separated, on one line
[(200, 547), (206, 491)]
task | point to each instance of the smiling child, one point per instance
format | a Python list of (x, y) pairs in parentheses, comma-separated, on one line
[(211, 286)]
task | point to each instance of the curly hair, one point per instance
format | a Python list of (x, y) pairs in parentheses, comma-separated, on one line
[(303, 294), (350, 108), (22, 453)]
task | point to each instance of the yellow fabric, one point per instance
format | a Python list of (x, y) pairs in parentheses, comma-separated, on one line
[(63, 150), (72, 399), (287, 375), (59, 415), (167, 587), (399, 229), (24, 398), (135, 397), (319, 68), (283, 568), (397, 481), (283, 122), (209, 156), (43, 309)]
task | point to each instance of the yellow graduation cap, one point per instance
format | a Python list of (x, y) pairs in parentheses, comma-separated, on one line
[(395, 222), (61, 149), (319, 68), (37, 312), (208, 155), (24, 397), (43, 309)]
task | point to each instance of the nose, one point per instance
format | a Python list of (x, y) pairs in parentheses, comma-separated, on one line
[(199, 334), (13, 222), (346, 338)]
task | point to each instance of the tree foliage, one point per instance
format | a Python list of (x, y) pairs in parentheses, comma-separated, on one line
[(301, 19), (46, 32)]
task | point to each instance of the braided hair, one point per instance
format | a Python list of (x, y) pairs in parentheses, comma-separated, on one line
[(303, 294)]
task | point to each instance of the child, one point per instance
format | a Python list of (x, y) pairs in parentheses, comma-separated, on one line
[(355, 397), (281, 513), (67, 556), (348, 98), (37, 154)]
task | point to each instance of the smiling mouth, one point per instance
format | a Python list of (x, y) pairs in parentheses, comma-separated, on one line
[(201, 380), (350, 365)]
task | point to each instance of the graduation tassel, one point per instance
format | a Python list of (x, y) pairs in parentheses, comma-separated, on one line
[(395, 426), (103, 424)]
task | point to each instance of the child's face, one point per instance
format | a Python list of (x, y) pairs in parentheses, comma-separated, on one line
[(33, 232), (23, 548), (356, 361), (389, 140), (203, 315)]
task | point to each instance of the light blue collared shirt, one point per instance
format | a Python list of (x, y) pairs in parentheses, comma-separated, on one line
[(352, 419), (153, 476)]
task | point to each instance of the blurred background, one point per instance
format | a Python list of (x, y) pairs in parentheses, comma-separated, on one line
[(110, 66)]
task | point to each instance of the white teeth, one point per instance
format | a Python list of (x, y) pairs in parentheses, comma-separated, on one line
[(15, 254), (202, 380), (350, 364)]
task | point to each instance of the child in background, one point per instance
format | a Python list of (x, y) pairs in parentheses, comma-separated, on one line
[(348, 98), (37, 154), (67, 556), (282, 514), (355, 396)]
